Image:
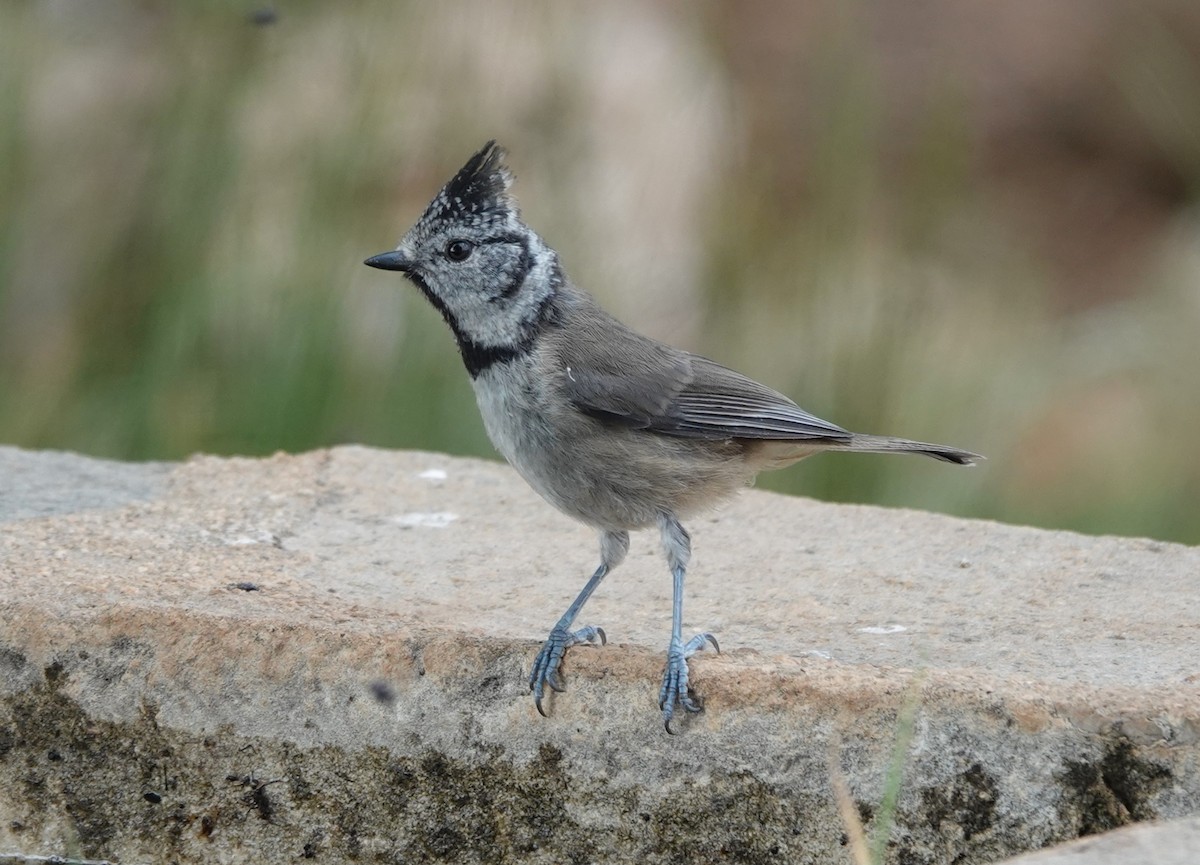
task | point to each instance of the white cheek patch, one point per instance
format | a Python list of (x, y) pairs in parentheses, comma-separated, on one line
[(503, 322)]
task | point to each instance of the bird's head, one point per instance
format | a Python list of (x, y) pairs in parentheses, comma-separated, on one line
[(488, 273)]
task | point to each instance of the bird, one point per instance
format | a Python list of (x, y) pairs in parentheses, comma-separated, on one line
[(616, 429)]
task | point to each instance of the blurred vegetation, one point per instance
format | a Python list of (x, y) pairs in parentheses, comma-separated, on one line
[(187, 192)]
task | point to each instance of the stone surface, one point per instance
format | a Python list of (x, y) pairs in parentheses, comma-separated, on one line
[(324, 656), (1174, 843)]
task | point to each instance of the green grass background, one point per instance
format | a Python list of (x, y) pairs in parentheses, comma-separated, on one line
[(186, 199)]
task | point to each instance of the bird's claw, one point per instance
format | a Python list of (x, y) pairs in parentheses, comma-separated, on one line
[(675, 678), (546, 666)]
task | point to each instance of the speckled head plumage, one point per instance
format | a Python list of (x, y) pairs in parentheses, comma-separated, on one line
[(478, 194)]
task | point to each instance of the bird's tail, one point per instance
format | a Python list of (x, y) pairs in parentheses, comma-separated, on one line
[(885, 445)]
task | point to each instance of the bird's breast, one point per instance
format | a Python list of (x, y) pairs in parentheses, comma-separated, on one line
[(515, 411), (607, 475)]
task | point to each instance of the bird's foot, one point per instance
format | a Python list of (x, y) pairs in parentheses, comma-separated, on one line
[(675, 679), (549, 659)]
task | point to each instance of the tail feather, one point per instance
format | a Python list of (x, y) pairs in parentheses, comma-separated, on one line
[(885, 445)]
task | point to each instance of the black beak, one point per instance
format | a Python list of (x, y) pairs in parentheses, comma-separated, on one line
[(394, 260)]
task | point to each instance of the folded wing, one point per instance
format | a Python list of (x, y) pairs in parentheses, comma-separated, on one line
[(616, 375)]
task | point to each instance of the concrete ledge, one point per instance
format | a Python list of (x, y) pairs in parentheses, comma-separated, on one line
[(324, 656), (1174, 843)]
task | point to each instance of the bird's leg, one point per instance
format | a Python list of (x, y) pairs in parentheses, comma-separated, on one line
[(613, 547), (678, 547)]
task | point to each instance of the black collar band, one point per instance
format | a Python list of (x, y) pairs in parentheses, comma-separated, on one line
[(478, 358)]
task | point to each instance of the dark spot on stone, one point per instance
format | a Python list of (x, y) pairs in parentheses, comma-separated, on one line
[(245, 586), (12, 661), (493, 684), (53, 756), (551, 758), (969, 803), (312, 845), (1112, 791), (866, 812), (383, 692), (152, 797), (765, 819), (123, 645), (298, 788), (258, 798), (446, 843), (1132, 778), (54, 673), (403, 774), (435, 765)]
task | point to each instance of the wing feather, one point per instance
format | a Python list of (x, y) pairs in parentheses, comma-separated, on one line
[(612, 373), (719, 402)]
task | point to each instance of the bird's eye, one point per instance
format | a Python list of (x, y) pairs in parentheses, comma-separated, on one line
[(459, 250)]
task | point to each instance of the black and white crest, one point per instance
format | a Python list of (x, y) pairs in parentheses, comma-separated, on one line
[(478, 195)]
